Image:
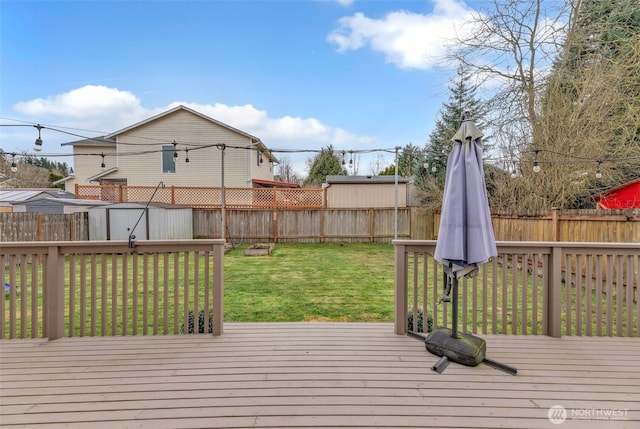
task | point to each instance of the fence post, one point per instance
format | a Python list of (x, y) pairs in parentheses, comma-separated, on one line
[(54, 294), (401, 292), (552, 293)]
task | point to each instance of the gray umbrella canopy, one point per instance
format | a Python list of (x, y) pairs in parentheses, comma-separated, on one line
[(465, 236)]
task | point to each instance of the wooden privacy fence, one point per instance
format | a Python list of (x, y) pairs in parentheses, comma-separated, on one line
[(304, 226), (44, 227), (207, 197), (620, 226), (531, 288), (347, 225), (104, 288)]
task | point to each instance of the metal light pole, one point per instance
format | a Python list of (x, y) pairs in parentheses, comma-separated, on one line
[(222, 196), (395, 214)]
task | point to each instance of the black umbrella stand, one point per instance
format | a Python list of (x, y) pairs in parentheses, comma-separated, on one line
[(454, 346)]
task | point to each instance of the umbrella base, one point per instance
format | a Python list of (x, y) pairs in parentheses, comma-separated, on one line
[(465, 349)]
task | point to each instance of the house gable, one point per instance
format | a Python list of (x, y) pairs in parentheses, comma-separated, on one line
[(137, 154)]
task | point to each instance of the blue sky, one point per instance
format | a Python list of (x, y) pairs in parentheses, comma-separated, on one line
[(298, 74)]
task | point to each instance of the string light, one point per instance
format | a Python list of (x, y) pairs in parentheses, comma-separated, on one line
[(103, 165), (175, 152), (536, 164), (186, 153), (38, 144), (14, 166)]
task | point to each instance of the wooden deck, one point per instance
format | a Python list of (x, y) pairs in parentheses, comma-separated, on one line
[(278, 375)]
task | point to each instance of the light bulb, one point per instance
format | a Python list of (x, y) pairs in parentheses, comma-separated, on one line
[(598, 174), (434, 168), (536, 167), (513, 174), (14, 167)]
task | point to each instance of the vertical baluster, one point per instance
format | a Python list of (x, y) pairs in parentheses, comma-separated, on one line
[(134, 302), (207, 293), (176, 293), (579, 298), (125, 294), (505, 299), (535, 303), (588, 294), (35, 288), (524, 299), (156, 274), (567, 293), (185, 282), (94, 294), (514, 294), (72, 295), (599, 295), (165, 296), (145, 294), (494, 297), (196, 291), (24, 293)]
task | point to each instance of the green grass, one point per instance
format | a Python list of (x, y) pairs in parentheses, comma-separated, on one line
[(307, 282)]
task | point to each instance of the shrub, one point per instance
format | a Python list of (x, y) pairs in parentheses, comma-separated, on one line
[(420, 323), (201, 325)]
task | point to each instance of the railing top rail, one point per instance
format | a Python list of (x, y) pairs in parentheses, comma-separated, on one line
[(537, 244), (110, 246)]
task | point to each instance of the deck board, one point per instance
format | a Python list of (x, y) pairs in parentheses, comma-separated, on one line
[(308, 375)]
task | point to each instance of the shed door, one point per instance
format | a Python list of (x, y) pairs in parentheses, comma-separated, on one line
[(122, 221)]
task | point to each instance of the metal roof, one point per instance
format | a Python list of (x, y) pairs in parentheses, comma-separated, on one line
[(332, 180), (20, 195)]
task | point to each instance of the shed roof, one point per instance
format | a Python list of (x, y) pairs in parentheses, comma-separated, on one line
[(20, 195), (331, 180)]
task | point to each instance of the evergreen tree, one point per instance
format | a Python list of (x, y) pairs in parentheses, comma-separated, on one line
[(326, 163), (462, 98)]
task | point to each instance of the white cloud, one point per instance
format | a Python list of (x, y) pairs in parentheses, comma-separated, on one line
[(90, 106), (110, 109), (406, 39)]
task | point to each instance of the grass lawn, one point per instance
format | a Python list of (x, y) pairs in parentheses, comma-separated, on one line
[(306, 282)]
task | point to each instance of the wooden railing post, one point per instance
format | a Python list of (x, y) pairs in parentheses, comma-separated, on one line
[(54, 294), (552, 294), (218, 289), (401, 292)]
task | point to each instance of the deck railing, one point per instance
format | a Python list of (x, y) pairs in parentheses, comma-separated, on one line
[(100, 288), (531, 288)]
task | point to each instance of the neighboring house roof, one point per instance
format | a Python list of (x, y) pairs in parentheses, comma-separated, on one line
[(21, 195), (64, 179), (102, 174), (96, 141), (625, 196), (332, 180), (274, 184)]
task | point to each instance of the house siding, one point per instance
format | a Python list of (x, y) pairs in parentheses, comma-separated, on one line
[(87, 163), (366, 195)]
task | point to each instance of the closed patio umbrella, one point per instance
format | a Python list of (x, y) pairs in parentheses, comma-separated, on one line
[(465, 235), (465, 240)]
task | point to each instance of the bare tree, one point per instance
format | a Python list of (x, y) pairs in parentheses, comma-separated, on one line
[(510, 46), (286, 172)]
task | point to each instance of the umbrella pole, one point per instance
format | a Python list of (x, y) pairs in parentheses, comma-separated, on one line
[(454, 305)]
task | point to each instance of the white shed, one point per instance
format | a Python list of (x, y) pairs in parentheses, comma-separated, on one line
[(158, 221)]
